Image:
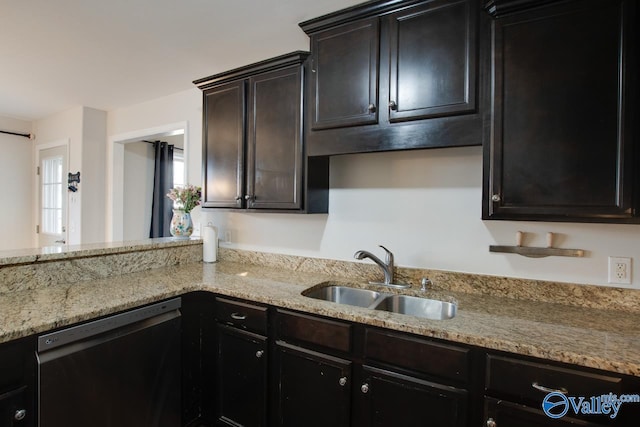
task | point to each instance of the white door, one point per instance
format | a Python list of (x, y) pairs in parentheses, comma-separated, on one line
[(53, 198)]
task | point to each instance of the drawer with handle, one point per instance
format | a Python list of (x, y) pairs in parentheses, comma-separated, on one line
[(528, 381), (313, 330), (251, 317)]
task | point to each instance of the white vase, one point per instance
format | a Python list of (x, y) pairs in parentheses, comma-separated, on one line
[(181, 225)]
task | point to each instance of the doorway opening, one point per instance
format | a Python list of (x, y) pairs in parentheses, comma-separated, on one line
[(130, 176)]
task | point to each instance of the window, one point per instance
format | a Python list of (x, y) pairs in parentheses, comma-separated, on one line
[(178, 168), (52, 195)]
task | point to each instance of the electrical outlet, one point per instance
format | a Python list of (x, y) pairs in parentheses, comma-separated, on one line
[(226, 236), (619, 270)]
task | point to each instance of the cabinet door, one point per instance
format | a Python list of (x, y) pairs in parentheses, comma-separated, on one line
[(17, 382), (508, 414), (242, 378), (345, 75), (433, 60), (561, 145), (313, 389), (223, 150), (275, 154), (390, 399), (13, 409)]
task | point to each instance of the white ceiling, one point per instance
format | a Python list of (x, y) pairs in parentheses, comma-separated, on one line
[(107, 54)]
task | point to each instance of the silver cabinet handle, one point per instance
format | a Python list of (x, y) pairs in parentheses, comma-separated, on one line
[(393, 105), (544, 389), (491, 423), (238, 198), (60, 241), (259, 353), (20, 414), (371, 108), (364, 388), (238, 316), (495, 198), (342, 381)]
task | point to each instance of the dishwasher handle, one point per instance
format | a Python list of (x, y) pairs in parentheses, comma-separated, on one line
[(87, 330)]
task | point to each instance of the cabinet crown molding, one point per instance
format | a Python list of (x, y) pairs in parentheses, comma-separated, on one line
[(359, 11), (498, 8), (293, 58)]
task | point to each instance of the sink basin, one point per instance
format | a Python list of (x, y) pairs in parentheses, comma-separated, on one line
[(420, 307), (401, 304), (344, 295)]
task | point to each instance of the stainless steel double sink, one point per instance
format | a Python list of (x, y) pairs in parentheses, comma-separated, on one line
[(402, 304)]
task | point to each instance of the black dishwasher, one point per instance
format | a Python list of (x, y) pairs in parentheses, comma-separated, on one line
[(120, 371)]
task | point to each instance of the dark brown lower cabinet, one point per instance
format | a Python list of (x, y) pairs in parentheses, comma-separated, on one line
[(516, 388), (13, 409), (387, 398), (17, 383), (281, 368), (502, 413), (241, 378), (313, 389)]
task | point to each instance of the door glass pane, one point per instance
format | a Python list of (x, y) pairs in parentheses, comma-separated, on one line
[(52, 195)]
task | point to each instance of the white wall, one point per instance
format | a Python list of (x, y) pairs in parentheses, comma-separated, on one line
[(424, 205), (17, 177), (138, 191), (93, 181)]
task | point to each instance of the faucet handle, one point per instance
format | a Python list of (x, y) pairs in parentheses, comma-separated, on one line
[(425, 282), (389, 258)]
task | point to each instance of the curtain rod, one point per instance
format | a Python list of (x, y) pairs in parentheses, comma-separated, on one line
[(26, 135), (153, 142)]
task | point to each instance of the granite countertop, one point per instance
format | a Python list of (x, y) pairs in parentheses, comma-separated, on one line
[(603, 339)]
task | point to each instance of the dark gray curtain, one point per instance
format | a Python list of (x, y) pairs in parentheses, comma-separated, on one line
[(162, 182)]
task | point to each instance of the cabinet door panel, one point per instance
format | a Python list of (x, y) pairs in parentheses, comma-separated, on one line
[(223, 149), (345, 75), (433, 60), (274, 171), (562, 143), (310, 390), (242, 378), (14, 404), (396, 400)]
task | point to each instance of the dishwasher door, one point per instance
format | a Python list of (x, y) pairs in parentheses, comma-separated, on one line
[(120, 371)]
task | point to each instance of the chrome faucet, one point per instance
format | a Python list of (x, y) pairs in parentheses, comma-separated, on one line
[(387, 266)]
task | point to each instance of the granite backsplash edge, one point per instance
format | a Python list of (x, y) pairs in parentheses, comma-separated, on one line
[(97, 263), (572, 294)]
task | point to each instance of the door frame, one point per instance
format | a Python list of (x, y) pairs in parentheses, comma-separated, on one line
[(114, 230), (36, 201)]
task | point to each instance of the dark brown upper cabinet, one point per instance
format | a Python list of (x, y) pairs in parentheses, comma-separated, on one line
[(392, 75), (563, 143), (432, 61), (253, 151), (345, 75), (224, 123)]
